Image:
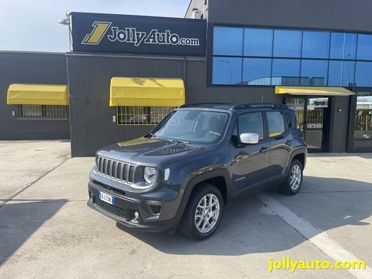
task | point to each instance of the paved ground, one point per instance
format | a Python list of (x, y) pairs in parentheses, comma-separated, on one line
[(47, 231), (31, 161)]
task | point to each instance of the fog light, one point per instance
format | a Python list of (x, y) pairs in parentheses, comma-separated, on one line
[(155, 209)]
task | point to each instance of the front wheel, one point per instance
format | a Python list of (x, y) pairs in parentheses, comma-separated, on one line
[(293, 182), (203, 213)]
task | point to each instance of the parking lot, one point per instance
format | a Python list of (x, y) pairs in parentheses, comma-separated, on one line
[(47, 231)]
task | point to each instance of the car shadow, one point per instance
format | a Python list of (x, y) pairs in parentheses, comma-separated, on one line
[(248, 226), (19, 219)]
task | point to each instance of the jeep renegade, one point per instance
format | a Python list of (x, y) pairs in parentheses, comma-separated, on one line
[(183, 173)]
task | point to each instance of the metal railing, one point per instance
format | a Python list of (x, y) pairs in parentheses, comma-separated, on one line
[(42, 112), (141, 115)]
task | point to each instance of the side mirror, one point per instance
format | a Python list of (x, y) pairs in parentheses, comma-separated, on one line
[(249, 138)]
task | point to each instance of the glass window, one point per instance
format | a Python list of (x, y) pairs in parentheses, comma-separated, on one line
[(364, 47), (285, 72), (251, 123), (258, 42), (275, 120), (343, 46), (256, 71), (260, 56), (30, 111), (363, 74), (227, 41), (227, 70), (287, 43), (314, 72), (141, 115), (298, 105), (363, 116), (42, 112), (193, 125), (341, 73), (315, 44)]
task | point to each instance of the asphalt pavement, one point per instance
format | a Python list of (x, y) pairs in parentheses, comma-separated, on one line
[(47, 231)]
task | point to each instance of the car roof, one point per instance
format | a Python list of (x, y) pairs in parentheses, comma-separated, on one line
[(234, 107)]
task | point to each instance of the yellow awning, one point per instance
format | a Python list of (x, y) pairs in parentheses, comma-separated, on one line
[(155, 92), (37, 94), (313, 91)]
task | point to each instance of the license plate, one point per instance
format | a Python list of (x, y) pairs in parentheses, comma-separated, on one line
[(107, 198)]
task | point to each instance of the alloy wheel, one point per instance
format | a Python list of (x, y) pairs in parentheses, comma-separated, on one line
[(295, 178), (207, 213)]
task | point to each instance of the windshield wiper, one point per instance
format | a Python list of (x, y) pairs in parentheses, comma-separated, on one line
[(180, 141), (150, 136)]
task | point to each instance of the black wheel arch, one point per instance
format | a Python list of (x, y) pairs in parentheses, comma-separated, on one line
[(299, 154), (208, 177)]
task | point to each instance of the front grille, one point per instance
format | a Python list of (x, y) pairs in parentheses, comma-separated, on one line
[(116, 169), (126, 214)]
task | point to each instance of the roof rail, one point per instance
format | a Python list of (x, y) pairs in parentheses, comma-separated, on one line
[(205, 104), (259, 105)]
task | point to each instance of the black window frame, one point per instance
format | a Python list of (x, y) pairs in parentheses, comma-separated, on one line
[(210, 54), (289, 121), (285, 121), (265, 135)]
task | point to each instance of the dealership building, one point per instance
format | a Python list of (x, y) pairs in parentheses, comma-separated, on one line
[(125, 72)]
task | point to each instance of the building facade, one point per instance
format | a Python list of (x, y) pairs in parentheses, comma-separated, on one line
[(260, 45), (28, 121), (315, 56)]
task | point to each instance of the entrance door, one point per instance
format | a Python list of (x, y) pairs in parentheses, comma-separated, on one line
[(313, 116)]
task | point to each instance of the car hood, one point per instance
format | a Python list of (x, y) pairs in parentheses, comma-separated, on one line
[(149, 151)]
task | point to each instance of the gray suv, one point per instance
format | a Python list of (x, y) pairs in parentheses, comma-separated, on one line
[(194, 163)]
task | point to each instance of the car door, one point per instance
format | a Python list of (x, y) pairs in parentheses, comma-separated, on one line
[(250, 162), (280, 139)]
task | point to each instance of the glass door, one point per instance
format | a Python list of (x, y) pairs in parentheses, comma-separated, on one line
[(317, 119), (298, 105), (313, 119)]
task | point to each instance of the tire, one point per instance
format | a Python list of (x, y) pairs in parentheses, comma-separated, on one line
[(290, 187), (188, 225)]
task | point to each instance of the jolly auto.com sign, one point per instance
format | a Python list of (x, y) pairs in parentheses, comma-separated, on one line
[(138, 34)]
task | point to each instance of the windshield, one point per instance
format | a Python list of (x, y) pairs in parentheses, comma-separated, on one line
[(193, 125)]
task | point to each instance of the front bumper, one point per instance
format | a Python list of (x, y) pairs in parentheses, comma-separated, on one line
[(154, 212)]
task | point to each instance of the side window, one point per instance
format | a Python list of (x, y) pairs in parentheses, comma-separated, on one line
[(251, 123), (276, 123)]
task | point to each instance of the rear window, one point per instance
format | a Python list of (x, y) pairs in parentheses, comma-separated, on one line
[(276, 123)]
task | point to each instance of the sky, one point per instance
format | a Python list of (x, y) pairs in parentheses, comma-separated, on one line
[(32, 25)]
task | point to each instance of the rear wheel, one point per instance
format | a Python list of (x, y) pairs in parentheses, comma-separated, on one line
[(203, 213), (293, 182)]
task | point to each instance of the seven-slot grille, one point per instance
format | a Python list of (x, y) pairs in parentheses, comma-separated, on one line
[(116, 169)]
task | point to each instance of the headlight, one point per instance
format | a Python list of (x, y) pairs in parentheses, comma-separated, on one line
[(150, 175)]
